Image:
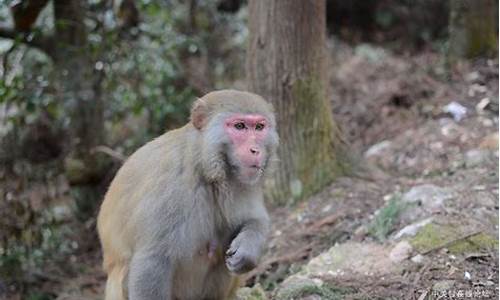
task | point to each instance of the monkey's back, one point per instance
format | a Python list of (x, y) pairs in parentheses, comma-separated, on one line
[(141, 197), (138, 179)]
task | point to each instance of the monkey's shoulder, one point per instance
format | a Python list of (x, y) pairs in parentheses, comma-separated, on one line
[(163, 155)]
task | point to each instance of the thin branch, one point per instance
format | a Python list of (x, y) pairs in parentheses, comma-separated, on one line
[(112, 153), (300, 254)]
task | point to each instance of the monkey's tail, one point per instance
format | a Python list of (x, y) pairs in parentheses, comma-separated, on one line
[(116, 285)]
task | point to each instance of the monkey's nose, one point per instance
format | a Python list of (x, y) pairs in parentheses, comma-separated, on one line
[(254, 151)]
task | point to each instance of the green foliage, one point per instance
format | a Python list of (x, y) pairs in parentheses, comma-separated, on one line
[(32, 247), (144, 74), (143, 70), (139, 73), (24, 96), (384, 221)]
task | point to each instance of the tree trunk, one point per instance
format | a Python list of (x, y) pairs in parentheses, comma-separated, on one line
[(473, 29), (286, 64), (81, 86)]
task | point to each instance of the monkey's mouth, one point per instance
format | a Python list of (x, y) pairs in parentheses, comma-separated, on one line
[(250, 173), (257, 167)]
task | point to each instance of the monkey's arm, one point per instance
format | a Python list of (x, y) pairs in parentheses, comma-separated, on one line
[(245, 249), (150, 276)]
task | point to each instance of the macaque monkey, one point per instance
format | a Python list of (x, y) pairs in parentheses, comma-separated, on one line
[(185, 214)]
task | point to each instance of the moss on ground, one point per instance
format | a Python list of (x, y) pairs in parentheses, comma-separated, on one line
[(475, 243), (254, 293), (433, 236)]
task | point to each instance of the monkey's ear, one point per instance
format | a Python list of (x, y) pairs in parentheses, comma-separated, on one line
[(199, 113)]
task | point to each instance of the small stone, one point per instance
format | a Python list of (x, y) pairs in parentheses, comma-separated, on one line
[(430, 196), (490, 142), (401, 251), (361, 231), (456, 110), (467, 276), (419, 259), (412, 229), (318, 281), (378, 148), (327, 208), (61, 212), (472, 76), (481, 105), (312, 297), (477, 157), (479, 188), (487, 122), (294, 284)]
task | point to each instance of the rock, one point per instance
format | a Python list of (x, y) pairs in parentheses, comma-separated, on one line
[(361, 232), (472, 76), (490, 142), (478, 157), (302, 287), (412, 229), (400, 252), (419, 259), (378, 148), (431, 197), (254, 293), (443, 285), (456, 110), (312, 297), (353, 257), (294, 286)]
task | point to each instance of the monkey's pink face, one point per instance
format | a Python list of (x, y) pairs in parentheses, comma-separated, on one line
[(248, 133)]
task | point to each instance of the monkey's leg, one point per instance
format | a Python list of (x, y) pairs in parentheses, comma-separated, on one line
[(234, 286), (150, 277), (115, 283)]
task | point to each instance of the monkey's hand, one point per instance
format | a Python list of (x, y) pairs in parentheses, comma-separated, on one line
[(242, 256)]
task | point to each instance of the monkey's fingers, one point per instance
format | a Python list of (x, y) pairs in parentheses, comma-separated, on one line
[(232, 250), (240, 263)]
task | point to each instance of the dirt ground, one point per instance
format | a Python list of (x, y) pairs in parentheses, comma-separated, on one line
[(399, 102), (396, 103)]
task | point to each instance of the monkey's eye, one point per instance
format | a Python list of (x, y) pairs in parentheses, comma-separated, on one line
[(239, 125), (259, 126)]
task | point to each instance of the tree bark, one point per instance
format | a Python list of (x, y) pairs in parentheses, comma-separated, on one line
[(286, 64), (80, 83), (81, 95), (473, 29)]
